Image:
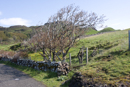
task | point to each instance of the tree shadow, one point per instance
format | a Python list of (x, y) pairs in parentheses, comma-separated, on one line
[(50, 75), (120, 52), (111, 54), (65, 84)]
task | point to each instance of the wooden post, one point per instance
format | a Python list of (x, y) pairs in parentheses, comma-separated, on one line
[(86, 55), (129, 38), (70, 61), (82, 56)]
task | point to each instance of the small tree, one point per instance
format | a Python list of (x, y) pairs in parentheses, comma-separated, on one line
[(62, 30)]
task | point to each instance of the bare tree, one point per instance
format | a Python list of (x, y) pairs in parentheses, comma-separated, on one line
[(62, 30)]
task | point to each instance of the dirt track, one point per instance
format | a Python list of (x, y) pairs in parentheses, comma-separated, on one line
[(10, 77)]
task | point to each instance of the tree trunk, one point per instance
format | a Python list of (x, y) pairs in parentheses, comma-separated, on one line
[(44, 57), (64, 57), (50, 56), (54, 56)]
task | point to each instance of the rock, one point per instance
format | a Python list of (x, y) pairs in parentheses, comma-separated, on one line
[(77, 80), (0, 57)]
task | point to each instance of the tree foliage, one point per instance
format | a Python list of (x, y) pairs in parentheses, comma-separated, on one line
[(62, 30)]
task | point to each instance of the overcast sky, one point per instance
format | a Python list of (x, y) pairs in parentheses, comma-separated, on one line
[(37, 12)]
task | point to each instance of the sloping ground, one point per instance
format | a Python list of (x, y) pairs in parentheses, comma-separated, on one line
[(14, 33), (10, 77), (112, 66), (91, 31)]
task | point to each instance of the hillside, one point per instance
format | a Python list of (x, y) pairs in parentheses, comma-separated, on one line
[(14, 33), (110, 66), (20, 33), (108, 29), (91, 31)]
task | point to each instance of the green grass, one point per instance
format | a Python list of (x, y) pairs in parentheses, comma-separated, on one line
[(22, 29), (36, 56), (107, 69), (5, 47), (107, 29), (91, 31), (14, 33), (113, 67)]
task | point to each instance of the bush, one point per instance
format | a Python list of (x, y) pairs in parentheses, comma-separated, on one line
[(23, 54), (1, 52), (15, 47), (11, 53)]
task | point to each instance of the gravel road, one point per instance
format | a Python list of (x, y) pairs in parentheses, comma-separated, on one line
[(10, 77)]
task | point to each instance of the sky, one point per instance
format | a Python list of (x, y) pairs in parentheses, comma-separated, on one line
[(37, 12)]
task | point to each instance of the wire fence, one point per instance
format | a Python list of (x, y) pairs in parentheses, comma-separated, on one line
[(99, 51), (86, 54)]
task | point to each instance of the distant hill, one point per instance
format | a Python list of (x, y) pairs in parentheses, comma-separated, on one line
[(14, 33), (21, 32), (2, 28), (17, 28), (127, 29), (107, 29)]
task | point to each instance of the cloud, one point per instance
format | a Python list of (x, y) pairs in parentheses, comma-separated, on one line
[(14, 21)]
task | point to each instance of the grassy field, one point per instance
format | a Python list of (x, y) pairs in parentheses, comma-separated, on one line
[(113, 63), (5, 47), (91, 31), (110, 66)]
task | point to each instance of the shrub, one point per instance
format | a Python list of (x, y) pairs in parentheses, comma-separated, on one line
[(1, 52), (11, 53), (16, 56), (23, 54), (15, 47)]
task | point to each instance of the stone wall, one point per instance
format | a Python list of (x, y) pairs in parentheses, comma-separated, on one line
[(58, 67)]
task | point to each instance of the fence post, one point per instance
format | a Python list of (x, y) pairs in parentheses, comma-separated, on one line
[(86, 55), (82, 56), (129, 38), (30, 58), (70, 61)]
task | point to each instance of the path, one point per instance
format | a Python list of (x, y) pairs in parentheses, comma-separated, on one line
[(10, 77)]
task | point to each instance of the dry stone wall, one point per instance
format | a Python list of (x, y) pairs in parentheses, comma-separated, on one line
[(58, 67)]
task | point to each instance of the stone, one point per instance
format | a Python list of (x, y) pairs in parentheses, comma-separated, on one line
[(58, 67)]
